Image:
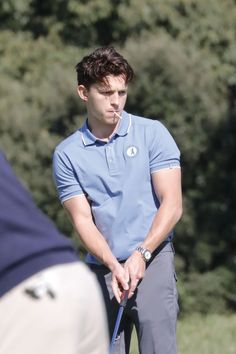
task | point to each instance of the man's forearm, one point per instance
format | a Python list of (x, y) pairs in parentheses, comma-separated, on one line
[(165, 220), (167, 186), (95, 243)]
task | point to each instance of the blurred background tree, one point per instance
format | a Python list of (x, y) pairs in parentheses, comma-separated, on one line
[(184, 56)]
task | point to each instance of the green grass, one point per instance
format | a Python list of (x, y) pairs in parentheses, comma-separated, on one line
[(212, 334)]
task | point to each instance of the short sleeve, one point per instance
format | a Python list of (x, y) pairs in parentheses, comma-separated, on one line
[(65, 177), (163, 151)]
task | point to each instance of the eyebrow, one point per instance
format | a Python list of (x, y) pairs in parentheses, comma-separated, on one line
[(108, 88), (104, 89)]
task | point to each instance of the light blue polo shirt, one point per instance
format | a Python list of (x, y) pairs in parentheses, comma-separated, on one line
[(115, 176)]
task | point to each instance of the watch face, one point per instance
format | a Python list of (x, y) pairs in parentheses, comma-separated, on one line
[(147, 255)]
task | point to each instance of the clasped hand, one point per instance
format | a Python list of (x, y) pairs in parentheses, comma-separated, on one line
[(128, 275)]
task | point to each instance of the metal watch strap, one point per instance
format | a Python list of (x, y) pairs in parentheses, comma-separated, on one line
[(144, 251)]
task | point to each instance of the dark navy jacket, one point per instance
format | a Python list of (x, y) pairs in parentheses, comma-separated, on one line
[(29, 242)]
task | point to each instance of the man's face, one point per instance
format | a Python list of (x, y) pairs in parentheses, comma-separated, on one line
[(105, 101)]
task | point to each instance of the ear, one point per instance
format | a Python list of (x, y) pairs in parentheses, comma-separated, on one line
[(82, 92)]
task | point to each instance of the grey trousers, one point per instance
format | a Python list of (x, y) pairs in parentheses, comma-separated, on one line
[(152, 310)]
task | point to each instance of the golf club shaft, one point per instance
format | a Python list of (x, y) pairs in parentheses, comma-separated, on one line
[(118, 320)]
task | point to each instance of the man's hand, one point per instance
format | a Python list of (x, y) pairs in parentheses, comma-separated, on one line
[(135, 267), (120, 281)]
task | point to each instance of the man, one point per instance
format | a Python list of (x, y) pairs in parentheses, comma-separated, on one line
[(118, 177), (49, 302)]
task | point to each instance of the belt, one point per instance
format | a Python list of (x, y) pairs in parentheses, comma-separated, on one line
[(154, 254), (157, 250)]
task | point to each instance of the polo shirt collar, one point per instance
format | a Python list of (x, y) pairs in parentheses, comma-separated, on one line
[(124, 125), (89, 139)]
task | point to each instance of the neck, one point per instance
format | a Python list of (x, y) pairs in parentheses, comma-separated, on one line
[(103, 131)]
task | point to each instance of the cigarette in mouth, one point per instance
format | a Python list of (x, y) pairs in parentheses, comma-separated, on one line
[(115, 113)]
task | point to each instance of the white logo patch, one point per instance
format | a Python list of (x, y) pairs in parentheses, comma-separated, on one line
[(132, 151)]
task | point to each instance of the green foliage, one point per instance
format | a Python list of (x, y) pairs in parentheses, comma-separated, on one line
[(38, 104), (207, 292), (195, 21), (211, 334), (14, 14), (78, 22), (207, 334), (183, 83)]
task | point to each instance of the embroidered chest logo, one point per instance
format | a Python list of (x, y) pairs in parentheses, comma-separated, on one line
[(132, 151)]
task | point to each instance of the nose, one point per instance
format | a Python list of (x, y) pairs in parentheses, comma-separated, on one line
[(114, 99)]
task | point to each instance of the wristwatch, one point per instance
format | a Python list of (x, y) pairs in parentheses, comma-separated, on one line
[(145, 253)]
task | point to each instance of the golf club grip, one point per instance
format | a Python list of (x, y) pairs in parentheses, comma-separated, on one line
[(124, 301)]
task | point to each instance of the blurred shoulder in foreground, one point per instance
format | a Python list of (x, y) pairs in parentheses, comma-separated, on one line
[(50, 301)]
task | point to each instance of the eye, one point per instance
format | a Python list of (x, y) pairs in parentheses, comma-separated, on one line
[(122, 92), (106, 93)]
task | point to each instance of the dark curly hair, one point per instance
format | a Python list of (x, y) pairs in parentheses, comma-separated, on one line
[(101, 63)]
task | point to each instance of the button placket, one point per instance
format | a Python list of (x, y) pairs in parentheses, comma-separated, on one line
[(111, 161)]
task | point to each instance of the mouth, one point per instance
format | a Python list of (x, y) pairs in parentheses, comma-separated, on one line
[(115, 113)]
